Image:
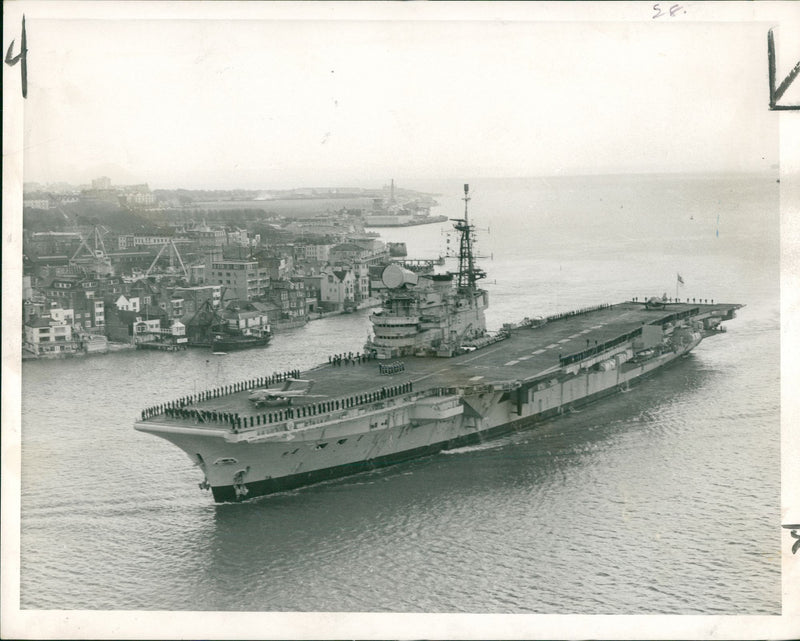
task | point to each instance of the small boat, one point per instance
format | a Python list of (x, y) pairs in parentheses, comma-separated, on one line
[(230, 342)]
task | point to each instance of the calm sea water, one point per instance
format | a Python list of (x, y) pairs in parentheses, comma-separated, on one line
[(661, 500)]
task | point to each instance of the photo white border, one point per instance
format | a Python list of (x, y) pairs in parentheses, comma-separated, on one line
[(167, 625)]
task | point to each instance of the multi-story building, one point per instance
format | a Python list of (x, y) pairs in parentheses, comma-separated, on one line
[(346, 252), (47, 337), (337, 288), (313, 252), (242, 278), (79, 295), (290, 296), (238, 237), (313, 285), (278, 267), (62, 316), (194, 297), (205, 236), (174, 307), (361, 281), (129, 241)]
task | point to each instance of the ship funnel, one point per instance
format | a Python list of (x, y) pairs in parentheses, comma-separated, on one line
[(395, 276)]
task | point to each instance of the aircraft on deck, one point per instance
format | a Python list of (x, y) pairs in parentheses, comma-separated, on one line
[(282, 395), (656, 303)]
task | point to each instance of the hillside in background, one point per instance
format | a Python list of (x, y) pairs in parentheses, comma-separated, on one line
[(86, 213)]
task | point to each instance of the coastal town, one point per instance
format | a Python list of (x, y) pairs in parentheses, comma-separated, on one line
[(110, 267)]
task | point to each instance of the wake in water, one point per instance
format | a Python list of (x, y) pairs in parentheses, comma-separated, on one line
[(480, 447)]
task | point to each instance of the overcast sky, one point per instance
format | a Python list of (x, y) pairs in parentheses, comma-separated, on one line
[(280, 103)]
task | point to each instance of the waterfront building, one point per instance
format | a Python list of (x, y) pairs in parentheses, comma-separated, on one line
[(194, 297), (48, 337), (313, 287), (245, 316), (122, 325), (78, 294), (337, 288), (289, 295), (242, 278)]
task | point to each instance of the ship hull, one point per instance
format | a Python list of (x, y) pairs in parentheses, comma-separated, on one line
[(232, 344), (242, 467)]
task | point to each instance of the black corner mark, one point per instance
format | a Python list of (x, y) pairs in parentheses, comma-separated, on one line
[(21, 57), (793, 533), (775, 94)]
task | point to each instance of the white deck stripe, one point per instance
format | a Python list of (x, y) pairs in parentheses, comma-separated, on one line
[(510, 363)]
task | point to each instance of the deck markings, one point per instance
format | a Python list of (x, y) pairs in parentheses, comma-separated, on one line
[(586, 331), (564, 340), (510, 363), (539, 351), (597, 326), (476, 378), (576, 335), (524, 358), (551, 346)]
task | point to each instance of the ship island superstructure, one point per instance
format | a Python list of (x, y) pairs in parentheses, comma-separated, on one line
[(430, 378)]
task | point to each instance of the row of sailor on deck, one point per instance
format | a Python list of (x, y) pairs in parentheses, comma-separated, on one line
[(350, 359), (217, 392)]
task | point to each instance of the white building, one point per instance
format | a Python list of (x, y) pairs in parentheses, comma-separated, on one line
[(128, 304), (337, 286), (62, 316), (46, 337)]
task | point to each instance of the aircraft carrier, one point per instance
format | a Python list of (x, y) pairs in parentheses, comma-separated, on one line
[(430, 378)]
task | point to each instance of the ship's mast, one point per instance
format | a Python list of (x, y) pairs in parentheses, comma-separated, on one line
[(468, 275)]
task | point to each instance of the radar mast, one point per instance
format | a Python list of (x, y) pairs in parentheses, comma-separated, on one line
[(468, 274)]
